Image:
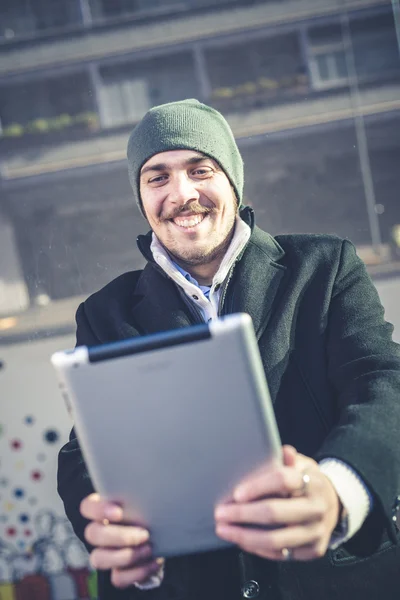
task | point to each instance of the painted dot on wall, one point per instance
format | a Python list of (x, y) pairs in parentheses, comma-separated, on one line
[(16, 444), (24, 518), (29, 420), (51, 436), (32, 501), (27, 532), (19, 493), (11, 531), (41, 457), (3, 481), (9, 506), (3, 518), (19, 465), (21, 544), (36, 475)]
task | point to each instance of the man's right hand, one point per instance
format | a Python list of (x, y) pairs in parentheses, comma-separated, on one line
[(124, 549)]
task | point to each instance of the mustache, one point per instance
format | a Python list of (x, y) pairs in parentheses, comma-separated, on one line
[(195, 208)]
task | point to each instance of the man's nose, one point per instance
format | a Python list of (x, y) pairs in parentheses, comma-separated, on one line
[(183, 190)]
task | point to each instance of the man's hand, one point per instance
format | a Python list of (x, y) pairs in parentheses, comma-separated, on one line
[(125, 549), (267, 518)]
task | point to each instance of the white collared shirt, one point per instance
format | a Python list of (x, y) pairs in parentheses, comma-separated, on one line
[(208, 307)]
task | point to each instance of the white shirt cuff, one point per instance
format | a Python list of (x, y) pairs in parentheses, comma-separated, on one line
[(152, 582), (354, 496)]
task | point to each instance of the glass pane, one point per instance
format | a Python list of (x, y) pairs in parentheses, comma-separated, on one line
[(256, 73), (22, 17), (322, 61), (340, 64), (45, 104), (376, 47), (142, 84)]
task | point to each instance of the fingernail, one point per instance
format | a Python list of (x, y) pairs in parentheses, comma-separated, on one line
[(239, 494), (221, 530), (160, 561), (220, 512), (143, 536)]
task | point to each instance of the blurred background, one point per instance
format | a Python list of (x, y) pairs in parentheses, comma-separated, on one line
[(311, 89)]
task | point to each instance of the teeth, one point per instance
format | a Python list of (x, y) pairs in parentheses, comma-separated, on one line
[(189, 222)]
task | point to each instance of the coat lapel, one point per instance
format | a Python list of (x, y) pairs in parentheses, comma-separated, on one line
[(157, 303), (258, 282), (256, 286)]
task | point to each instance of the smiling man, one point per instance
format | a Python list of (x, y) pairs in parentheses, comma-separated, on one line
[(198, 232), (323, 524)]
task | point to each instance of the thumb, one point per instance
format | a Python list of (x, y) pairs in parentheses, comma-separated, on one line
[(289, 455)]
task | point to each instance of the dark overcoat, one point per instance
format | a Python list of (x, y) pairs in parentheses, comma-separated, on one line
[(334, 377)]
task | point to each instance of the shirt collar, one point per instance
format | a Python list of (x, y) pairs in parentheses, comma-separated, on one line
[(239, 240)]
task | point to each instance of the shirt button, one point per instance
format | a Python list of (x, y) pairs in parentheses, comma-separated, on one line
[(250, 589), (396, 508), (195, 297)]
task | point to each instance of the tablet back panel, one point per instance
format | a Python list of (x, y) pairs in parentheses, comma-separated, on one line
[(169, 429)]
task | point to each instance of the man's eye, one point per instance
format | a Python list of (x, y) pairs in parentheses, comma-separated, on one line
[(202, 171), (158, 179)]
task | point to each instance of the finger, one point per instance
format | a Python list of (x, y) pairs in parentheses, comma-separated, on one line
[(115, 536), (120, 558), (305, 463), (309, 552), (289, 455), (122, 578), (268, 543), (281, 481), (275, 512), (93, 507)]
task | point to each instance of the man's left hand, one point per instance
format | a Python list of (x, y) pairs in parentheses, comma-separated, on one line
[(269, 518)]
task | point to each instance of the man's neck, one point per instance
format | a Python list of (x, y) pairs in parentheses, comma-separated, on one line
[(203, 274)]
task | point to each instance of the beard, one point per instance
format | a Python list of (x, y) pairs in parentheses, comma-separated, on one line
[(202, 256), (208, 250)]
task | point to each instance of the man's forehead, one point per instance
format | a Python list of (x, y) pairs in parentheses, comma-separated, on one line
[(174, 158)]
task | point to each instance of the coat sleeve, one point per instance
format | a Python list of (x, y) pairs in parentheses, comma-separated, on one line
[(73, 481), (364, 368)]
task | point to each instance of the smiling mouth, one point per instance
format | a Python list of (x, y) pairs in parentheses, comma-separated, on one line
[(189, 222)]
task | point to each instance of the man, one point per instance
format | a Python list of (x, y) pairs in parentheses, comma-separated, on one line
[(332, 369)]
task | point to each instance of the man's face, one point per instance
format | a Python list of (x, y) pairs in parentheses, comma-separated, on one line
[(190, 205)]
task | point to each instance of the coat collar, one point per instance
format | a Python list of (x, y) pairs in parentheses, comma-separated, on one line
[(258, 280), (254, 288)]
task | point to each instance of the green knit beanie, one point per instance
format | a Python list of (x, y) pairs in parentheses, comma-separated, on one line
[(184, 125)]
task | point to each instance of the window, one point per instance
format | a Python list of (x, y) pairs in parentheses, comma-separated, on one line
[(19, 17), (255, 71), (124, 95), (41, 102), (374, 45), (328, 58), (128, 90)]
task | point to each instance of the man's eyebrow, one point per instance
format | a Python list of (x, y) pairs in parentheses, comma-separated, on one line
[(156, 167), (164, 167)]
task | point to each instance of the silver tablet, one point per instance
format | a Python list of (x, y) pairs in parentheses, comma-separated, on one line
[(169, 423)]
